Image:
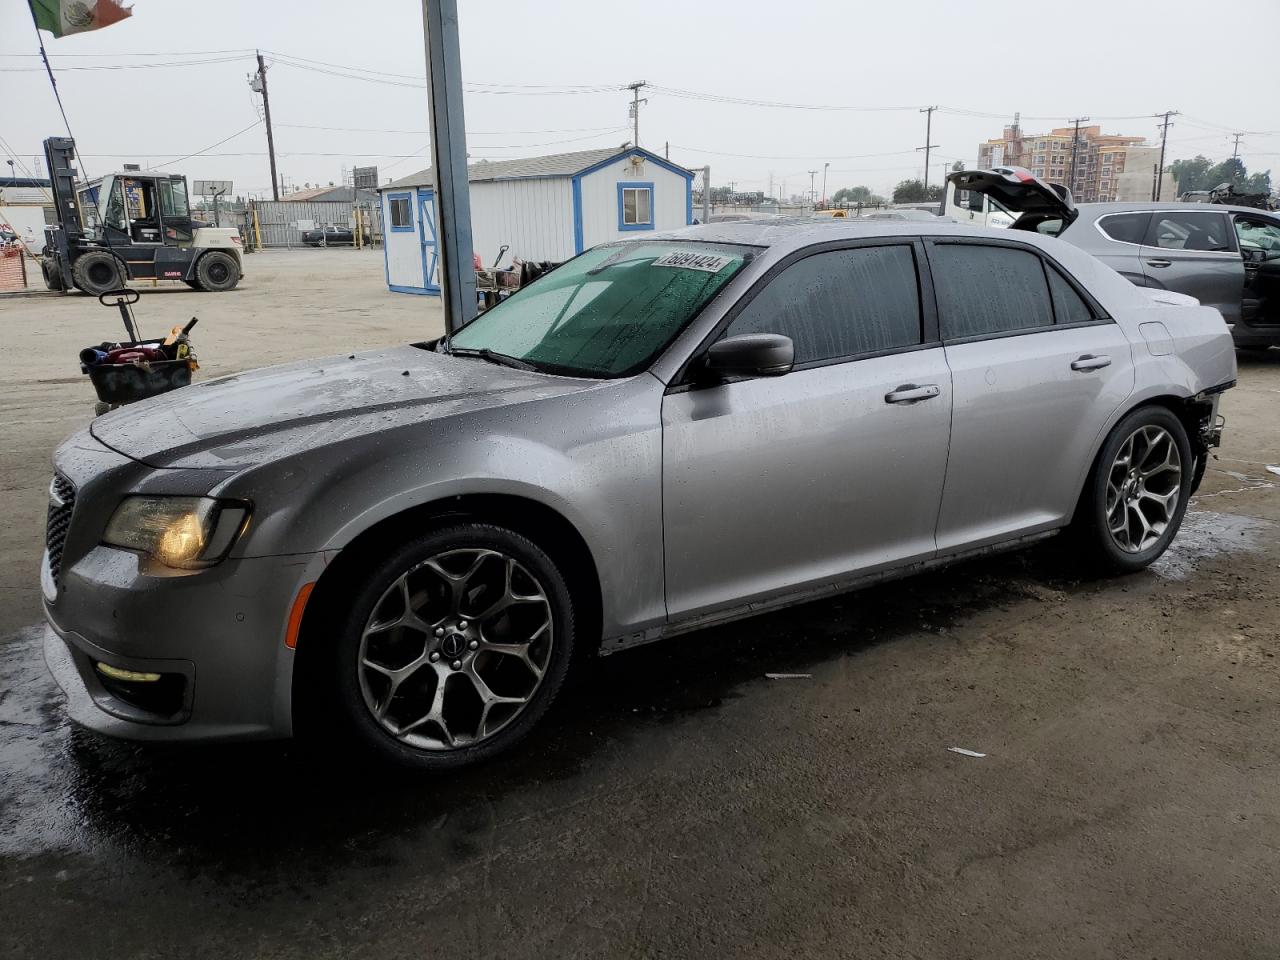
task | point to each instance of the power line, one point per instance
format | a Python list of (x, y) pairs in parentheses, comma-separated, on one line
[(163, 163)]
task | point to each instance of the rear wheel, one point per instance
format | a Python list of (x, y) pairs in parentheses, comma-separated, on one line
[(1135, 499), (97, 271), (452, 648), (217, 271)]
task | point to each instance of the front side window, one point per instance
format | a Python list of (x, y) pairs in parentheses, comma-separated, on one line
[(985, 290), (841, 303), (1258, 235), (1205, 232), (608, 312), (401, 219), (635, 206)]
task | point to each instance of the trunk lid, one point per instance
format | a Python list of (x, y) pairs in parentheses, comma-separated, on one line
[(1019, 191)]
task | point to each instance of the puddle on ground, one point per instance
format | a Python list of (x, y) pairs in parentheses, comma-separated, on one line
[(1206, 535)]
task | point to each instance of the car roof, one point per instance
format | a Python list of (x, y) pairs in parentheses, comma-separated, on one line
[(787, 233), (1140, 206)]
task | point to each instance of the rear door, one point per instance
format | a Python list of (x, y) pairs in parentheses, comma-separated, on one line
[(777, 484), (1195, 252), (1037, 370)]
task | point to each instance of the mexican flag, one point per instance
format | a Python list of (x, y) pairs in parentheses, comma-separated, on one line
[(61, 17)]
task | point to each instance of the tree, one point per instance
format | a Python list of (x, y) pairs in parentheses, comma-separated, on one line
[(1201, 173), (855, 195), (913, 191)]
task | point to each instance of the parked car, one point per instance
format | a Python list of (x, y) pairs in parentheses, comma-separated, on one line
[(1227, 257), (330, 236), (408, 549)]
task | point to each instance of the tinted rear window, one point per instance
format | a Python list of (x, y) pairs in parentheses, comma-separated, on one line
[(1126, 227), (984, 290)]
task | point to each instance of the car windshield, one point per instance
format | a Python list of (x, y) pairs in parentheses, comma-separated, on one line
[(608, 312)]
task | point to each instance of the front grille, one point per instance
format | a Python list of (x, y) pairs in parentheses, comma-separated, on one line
[(62, 501)]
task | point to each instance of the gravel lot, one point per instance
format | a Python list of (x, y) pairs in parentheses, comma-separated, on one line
[(678, 803)]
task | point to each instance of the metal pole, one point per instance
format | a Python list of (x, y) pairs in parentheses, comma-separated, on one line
[(1164, 136), (928, 144), (454, 243), (825, 167), (1075, 142), (266, 111), (706, 194), (635, 110), (1235, 151)]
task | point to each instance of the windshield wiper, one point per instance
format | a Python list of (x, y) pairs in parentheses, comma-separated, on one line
[(493, 356)]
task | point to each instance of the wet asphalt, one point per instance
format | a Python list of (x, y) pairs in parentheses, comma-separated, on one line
[(678, 803)]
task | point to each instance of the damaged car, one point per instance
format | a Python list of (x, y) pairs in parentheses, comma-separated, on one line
[(409, 551)]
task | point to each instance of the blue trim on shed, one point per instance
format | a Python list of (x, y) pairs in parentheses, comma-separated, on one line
[(386, 256), (576, 184), (425, 222), (624, 185), (406, 195), (419, 291)]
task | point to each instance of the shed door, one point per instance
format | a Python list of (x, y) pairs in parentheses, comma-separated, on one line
[(427, 234)]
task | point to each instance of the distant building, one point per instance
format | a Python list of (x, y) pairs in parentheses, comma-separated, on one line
[(1100, 160)]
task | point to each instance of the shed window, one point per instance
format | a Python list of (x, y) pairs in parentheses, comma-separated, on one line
[(401, 218), (635, 206)]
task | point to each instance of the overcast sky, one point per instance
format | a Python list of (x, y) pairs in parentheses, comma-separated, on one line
[(541, 79)]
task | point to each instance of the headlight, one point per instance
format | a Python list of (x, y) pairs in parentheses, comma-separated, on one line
[(183, 532)]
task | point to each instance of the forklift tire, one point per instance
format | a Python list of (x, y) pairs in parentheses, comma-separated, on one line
[(217, 271), (96, 272), (52, 275), (193, 284)]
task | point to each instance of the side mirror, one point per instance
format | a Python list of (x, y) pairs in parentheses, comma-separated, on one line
[(752, 354)]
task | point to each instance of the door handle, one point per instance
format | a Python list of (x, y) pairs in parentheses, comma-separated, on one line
[(1159, 262), (912, 393), (1090, 362)]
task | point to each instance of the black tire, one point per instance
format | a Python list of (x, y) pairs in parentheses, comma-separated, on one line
[(1098, 549), (52, 274), (193, 284), (336, 703), (96, 272), (217, 271)]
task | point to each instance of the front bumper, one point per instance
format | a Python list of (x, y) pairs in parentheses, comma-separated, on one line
[(215, 636)]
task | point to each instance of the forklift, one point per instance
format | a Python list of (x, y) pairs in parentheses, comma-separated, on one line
[(127, 226)]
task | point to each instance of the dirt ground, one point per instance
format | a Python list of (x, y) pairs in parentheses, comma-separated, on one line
[(678, 803)]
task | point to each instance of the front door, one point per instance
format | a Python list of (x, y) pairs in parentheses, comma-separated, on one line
[(1037, 371), (1194, 252), (776, 484), (427, 235)]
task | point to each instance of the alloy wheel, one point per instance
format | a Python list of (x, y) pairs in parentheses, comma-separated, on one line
[(455, 649), (1144, 485)]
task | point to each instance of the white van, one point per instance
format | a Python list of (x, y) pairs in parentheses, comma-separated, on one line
[(974, 208)]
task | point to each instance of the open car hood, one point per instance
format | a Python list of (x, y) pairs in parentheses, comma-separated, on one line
[(1019, 191)]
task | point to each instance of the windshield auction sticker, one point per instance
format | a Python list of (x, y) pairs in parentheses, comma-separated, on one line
[(706, 262)]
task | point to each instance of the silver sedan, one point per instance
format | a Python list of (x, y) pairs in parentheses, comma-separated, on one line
[(409, 550)]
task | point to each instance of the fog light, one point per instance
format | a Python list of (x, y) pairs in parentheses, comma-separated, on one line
[(132, 676)]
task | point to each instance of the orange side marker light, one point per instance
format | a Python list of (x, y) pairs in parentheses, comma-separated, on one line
[(295, 615)]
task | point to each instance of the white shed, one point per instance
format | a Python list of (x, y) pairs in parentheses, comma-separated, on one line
[(544, 208)]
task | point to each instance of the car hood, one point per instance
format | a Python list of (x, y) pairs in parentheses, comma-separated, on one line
[(270, 413)]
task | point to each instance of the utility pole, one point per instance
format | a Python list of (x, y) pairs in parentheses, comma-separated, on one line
[(446, 125), (812, 195), (1235, 151), (635, 110), (259, 85), (1075, 143), (706, 193), (825, 166), (928, 143), (1164, 136)]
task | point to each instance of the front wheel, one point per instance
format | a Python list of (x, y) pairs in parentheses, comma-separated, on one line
[(1136, 496), (453, 648), (217, 271)]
